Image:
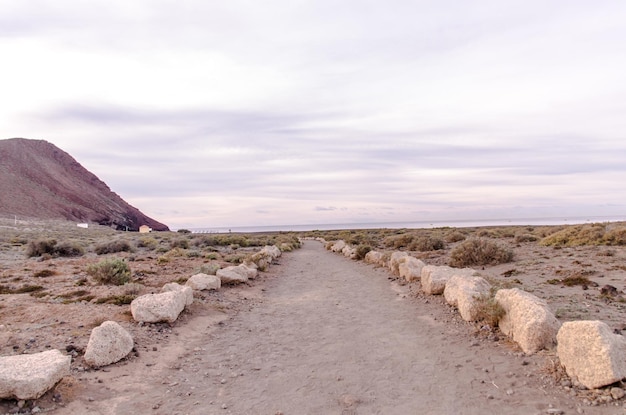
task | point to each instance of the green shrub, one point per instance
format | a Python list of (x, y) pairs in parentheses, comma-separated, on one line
[(478, 251), (110, 271), (185, 231), (113, 247), (488, 310)]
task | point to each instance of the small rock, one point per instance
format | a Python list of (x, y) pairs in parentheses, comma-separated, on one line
[(224, 406), (555, 411), (509, 392), (617, 393)]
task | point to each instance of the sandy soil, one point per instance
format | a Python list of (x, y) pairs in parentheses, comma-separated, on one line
[(318, 333)]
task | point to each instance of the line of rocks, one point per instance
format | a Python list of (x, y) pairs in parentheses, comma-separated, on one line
[(29, 376), (592, 355)]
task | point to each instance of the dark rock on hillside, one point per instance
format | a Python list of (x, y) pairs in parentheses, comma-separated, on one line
[(39, 180)]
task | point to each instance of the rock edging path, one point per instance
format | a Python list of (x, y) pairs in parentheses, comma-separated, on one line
[(333, 336)]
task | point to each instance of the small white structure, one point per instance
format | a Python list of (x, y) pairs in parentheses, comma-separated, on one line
[(83, 225), (145, 229)]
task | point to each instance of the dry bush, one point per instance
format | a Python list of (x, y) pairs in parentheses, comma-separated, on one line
[(209, 269), (426, 243), (44, 273), (589, 234), (478, 251), (147, 242), (398, 241), (49, 247), (525, 237), (454, 236), (361, 251), (110, 271), (489, 310), (113, 247), (179, 243), (41, 247)]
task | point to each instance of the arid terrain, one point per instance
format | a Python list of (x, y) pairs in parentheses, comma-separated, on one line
[(50, 302)]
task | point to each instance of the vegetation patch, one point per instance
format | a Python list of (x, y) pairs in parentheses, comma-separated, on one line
[(110, 271), (122, 299), (44, 273), (479, 251), (588, 234), (113, 247), (21, 290), (49, 247)]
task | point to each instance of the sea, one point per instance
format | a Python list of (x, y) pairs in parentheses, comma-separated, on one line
[(413, 225)]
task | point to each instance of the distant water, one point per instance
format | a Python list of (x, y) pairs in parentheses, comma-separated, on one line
[(413, 225)]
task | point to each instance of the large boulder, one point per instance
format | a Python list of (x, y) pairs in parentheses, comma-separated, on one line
[(396, 259), (272, 250), (527, 319), (465, 293), (373, 257), (591, 353), (200, 282), (108, 343), (153, 308), (28, 376), (435, 277), (411, 269), (231, 275), (185, 290)]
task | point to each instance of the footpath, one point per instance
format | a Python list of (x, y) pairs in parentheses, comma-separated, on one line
[(328, 335)]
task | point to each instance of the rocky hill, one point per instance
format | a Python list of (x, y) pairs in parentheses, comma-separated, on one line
[(39, 180)]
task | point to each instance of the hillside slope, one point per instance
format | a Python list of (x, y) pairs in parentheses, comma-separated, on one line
[(39, 180)]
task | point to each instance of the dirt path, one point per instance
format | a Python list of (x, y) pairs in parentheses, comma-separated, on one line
[(328, 336)]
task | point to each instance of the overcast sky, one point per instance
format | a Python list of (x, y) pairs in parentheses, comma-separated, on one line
[(241, 112)]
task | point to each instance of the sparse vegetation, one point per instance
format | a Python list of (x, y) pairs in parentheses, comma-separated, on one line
[(479, 251), (113, 247), (488, 310), (426, 243), (49, 247), (589, 234), (110, 271), (44, 273), (362, 250)]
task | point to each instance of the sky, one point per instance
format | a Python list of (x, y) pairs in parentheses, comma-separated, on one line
[(237, 113)]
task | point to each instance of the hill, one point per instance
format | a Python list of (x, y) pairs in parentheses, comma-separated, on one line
[(39, 180)]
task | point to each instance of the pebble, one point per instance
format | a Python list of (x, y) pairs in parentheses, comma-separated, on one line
[(555, 411), (617, 393), (224, 406)]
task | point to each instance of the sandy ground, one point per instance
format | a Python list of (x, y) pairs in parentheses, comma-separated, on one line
[(326, 335), (318, 333)]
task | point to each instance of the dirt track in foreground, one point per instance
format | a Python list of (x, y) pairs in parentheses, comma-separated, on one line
[(327, 335)]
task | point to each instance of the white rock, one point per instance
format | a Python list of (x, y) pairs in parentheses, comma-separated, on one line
[(201, 282), (230, 275), (249, 272), (591, 353), (465, 293), (272, 250), (373, 257), (396, 259), (527, 319), (338, 246), (349, 251), (435, 277), (411, 269), (28, 376), (108, 343), (174, 286), (152, 308)]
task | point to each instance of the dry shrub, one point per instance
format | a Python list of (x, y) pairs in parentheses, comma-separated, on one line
[(147, 242), (489, 310), (179, 243), (525, 237), (113, 247), (361, 251), (40, 247), (398, 241), (589, 234), (49, 247), (426, 243), (44, 273), (110, 271), (478, 251), (454, 236)]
